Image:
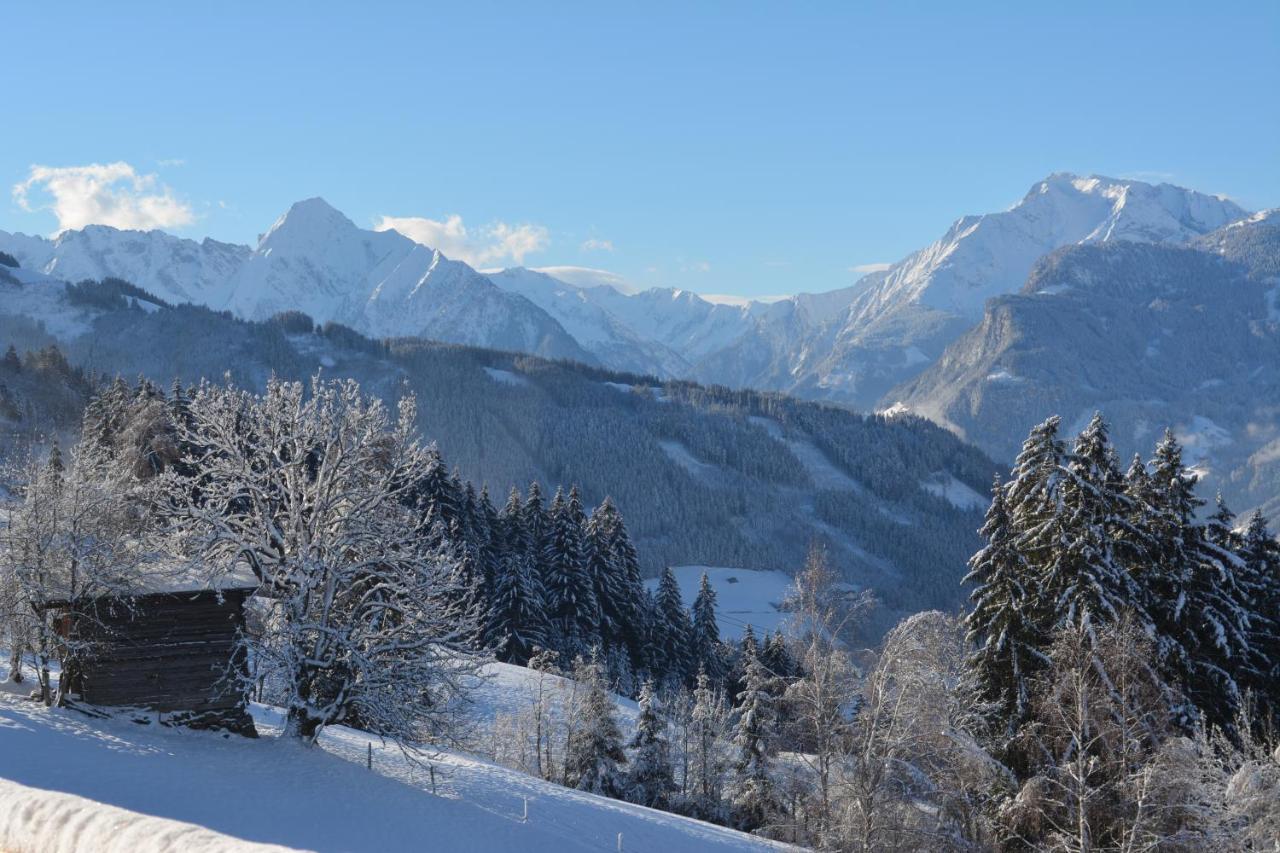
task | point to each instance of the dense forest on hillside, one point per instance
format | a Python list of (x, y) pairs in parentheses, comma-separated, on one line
[(703, 475)]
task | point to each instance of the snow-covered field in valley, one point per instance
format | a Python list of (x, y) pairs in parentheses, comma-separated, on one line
[(324, 799), (743, 597)]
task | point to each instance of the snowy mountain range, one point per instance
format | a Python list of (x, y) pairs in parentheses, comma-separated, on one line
[(849, 345), (1154, 336)]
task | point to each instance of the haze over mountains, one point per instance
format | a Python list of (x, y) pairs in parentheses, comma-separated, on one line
[(915, 333)]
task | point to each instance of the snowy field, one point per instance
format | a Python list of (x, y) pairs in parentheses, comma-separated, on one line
[(743, 597), (324, 798)]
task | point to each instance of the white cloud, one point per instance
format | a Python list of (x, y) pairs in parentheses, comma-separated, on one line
[(588, 277), (102, 194), (596, 245), (863, 269), (172, 163), (489, 245)]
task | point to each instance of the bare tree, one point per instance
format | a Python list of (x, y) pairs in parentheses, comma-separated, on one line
[(915, 777), (69, 548), (821, 704), (362, 622), (1099, 715)]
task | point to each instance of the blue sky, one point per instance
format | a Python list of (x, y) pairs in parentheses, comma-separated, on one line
[(745, 148)]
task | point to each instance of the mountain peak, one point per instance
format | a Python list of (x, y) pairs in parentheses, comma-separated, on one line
[(309, 219)]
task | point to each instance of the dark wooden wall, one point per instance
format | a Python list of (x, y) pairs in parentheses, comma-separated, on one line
[(165, 651)]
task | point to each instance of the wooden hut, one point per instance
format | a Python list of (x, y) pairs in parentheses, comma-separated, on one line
[(174, 650)]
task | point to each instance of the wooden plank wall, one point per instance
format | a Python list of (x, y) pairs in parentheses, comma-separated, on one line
[(170, 652)]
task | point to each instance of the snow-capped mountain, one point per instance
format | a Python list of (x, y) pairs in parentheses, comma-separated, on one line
[(1151, 335), (587, 313), (902, 318), (383, 284), (174, 269), (850, 345), (316, 260)]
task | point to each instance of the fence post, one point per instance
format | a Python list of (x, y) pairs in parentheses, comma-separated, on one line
[(368, 761), (525, 817), (433, 777), (619, 842)]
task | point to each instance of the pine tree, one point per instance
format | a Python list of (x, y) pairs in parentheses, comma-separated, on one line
[(11, 361), (673, 627), (705, 649), (1192, 587), (572, 608), (536, 524), (1083, 580), (650, 779), (754, 798), (777, 656), (1006, 642), (607, 579), (593, 754), (1260, 554), (517, 613)]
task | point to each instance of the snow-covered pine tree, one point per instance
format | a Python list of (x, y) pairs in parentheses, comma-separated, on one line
[(706, 653), (650, 780), (634, 616), (752, 793), (593, 755), (1192, 588), (1005, 641), (572, 609), (1260, 552), (1083, 579), (492, 540), (536, 525), (672, 628), (778, 658), (1031, 495), (606, 573), (436, 495), (517, 623)]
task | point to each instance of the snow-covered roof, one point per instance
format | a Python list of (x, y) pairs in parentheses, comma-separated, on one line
[(193, 576)]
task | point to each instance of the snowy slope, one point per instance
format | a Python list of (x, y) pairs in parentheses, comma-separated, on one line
[(743, 597), (38, 821), (901, 319), (324, 798), (579, 310), (316, 260), (173, 268)]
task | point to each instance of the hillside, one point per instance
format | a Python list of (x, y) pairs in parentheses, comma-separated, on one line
[(324, 798), (1153, 336), (707, 476)]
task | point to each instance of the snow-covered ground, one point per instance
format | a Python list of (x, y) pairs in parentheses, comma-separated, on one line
[(946, 486), (33, 820), (324, 799), (743, 597)]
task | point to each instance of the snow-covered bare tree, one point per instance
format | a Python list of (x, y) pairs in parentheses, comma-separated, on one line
[(916, 777), (1099, 712), (821, 704), (313, 491), (69, 548)]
